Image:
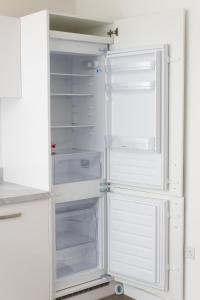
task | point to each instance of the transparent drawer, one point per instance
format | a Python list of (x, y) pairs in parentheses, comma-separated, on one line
[(76, 236), (76, 259), (76, 167), (76, 223)]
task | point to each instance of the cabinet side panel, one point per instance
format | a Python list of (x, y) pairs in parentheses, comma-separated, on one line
[(10, 73), (26, 120)]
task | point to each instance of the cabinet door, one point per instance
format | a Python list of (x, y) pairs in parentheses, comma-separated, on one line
[(138, 115), (10, 57), (25, 251), (138, 240)]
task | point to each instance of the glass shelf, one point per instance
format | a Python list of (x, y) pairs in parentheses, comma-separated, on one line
[(71, 75), (57, 126), (71, 95)]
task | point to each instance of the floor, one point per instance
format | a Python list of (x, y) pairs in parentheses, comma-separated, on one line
[(114, 297)]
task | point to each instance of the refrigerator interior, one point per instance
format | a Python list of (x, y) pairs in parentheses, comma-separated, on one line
[(77, 237), (77, 116)]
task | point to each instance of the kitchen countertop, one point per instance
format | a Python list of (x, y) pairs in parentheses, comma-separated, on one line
[(11, 193)]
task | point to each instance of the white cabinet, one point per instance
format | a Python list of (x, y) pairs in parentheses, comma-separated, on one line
[(25, 251), (10, 57)]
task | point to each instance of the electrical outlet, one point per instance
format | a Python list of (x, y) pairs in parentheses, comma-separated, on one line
[(190, 253)]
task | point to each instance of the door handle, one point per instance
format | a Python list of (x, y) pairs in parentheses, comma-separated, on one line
[(10, 216)]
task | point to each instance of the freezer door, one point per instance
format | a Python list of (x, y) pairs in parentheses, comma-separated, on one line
[(138, 239), (137, 114)]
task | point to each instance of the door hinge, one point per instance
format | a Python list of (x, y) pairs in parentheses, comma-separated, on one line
[(104, 187), (113, 32)]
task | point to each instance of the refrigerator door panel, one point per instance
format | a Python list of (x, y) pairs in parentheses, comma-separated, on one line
[(137, 113)]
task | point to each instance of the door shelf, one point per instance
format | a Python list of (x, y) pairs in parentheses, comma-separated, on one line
[(143, 66), (71, 75), (119, 87), (132, 144)]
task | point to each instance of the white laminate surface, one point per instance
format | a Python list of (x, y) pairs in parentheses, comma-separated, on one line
[(14, 193)]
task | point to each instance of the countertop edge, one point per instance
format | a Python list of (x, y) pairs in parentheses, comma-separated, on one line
[(24, 198)]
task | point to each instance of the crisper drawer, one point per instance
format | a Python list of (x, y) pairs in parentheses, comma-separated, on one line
[(76, 167)]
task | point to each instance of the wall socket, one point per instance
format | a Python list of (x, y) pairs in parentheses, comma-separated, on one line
[(190, 253)]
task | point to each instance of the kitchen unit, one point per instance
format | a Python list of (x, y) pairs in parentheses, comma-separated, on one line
[(104, 134), (25, 243)]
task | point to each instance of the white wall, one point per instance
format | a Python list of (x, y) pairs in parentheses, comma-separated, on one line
[(24, 7), (122, 8)]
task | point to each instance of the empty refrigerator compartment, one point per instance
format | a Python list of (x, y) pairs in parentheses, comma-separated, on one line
[(74, 85), (76, 236), (68, 113), (73, 65), (76, 166)]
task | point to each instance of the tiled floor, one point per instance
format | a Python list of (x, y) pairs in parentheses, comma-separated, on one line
[(114, 297)]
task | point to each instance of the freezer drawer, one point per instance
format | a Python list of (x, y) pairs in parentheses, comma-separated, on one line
[(76, 224), (76, 167), (78, 238), (76, 259)]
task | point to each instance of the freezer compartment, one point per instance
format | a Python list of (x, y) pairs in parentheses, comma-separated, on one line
[(76, 223), (77, 236), (76, 259), (76, 166)]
